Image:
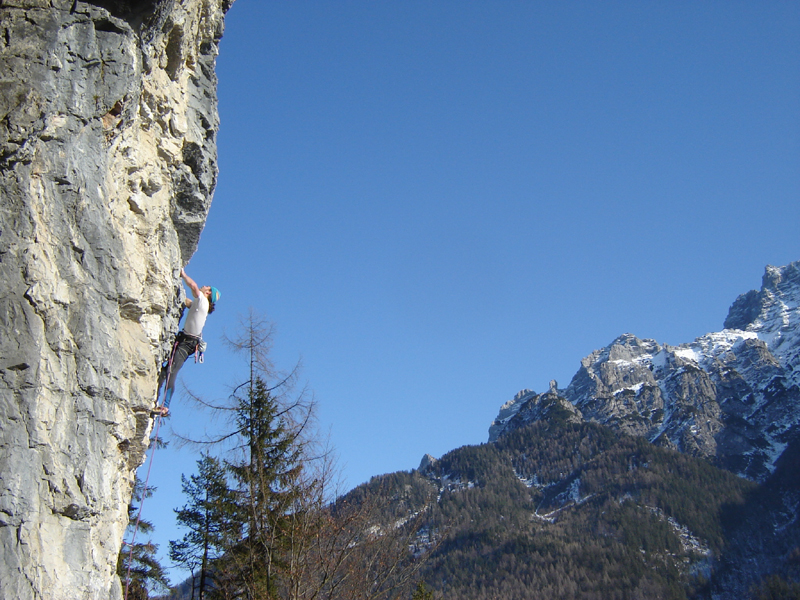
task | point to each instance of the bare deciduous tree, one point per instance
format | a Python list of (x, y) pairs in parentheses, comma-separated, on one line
[(298, 541)]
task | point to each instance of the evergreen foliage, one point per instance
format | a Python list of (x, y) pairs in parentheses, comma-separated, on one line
[(138, 566), (422, 592), (268, 489), (563, 510), (776, 588), (763, 534), (209, 517)]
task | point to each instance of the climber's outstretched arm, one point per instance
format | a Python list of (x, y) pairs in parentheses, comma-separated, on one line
[(190, 282)]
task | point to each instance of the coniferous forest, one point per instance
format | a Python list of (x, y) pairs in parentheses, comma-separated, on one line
[(565, 510), (553, 509), (559, 510)]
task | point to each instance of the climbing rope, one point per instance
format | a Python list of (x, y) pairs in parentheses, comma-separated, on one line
[(149, 467), (141, 505)]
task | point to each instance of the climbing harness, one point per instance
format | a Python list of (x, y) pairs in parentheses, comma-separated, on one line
[(199, 348)]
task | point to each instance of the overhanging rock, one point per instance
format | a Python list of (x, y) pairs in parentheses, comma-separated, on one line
[(108, 121)]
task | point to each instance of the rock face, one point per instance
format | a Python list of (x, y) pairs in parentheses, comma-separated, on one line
[(773, 314), (508, 411), (730, 396), (108, 121), (528, 406)]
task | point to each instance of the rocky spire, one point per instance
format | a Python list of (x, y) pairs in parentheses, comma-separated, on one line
[(731, 396)]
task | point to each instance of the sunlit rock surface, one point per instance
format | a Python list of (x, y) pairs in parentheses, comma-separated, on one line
[(108, 120)]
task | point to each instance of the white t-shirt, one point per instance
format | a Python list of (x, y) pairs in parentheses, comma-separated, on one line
[(196, 318)]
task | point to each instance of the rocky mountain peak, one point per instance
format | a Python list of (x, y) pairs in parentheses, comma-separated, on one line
[(773, 314), (527, 407), (772, 307), (508, 411), (731, 396), (427, 462)]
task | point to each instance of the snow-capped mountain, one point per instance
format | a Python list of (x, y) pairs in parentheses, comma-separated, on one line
[(731, 396), (773, 315)]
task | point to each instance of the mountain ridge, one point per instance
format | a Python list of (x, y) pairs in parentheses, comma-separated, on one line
[(730, 396), (659, 472)]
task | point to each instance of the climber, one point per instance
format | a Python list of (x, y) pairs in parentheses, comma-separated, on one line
[(188, 341)]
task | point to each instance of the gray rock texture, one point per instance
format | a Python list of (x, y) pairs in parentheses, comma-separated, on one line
[(773, 313), (730, 396), (108, 120)]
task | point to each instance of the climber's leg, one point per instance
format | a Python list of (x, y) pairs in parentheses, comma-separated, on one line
[(184, 346)]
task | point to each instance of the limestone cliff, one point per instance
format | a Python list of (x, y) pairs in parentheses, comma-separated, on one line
[(108, 121)]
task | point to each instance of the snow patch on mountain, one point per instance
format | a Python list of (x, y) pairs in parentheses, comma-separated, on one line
[(732, 395), (508, 411), (773, 313)]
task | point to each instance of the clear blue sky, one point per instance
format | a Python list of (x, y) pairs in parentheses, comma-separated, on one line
[(440, 203)]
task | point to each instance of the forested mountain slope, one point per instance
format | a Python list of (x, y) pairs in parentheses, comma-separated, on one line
[(658, 472), (559, 509)]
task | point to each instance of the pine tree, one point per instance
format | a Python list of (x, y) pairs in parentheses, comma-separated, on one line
[(422, 592), (268, 478), (265, 468), (208, 516), (138, 566)]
